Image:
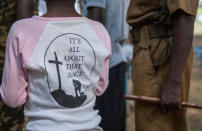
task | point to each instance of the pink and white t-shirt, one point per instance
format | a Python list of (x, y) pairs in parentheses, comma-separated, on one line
[(56, 66)]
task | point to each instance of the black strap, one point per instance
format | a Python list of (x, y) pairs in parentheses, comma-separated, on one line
[(166, 49), (163, 14)]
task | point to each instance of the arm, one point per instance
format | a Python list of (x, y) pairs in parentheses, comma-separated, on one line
[(104, 74), (13, 89), (103, 81), (95, 9), (95, 13), (182, 25), (24, 8)]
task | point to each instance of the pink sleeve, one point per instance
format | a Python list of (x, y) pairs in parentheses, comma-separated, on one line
[(13, 88), (104, 76), (103, 81)]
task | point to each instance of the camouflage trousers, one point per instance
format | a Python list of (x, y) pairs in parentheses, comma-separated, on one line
[(11, 119)]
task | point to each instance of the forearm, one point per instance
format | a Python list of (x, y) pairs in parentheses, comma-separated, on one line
[(182, 25), (14, 98), (24, 8), (95, 13)]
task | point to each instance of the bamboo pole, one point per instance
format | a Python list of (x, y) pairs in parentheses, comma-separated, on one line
[(157, 101)]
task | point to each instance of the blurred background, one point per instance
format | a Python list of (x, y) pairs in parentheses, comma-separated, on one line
[(194, 116)]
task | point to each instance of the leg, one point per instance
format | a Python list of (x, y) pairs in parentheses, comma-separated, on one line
[(120, 103), (148, 81), (112, 103)]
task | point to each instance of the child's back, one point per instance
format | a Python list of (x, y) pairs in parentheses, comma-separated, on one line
[(58, 66)]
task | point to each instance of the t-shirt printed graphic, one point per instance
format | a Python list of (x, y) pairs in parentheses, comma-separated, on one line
[(57, 67), (67, 54)]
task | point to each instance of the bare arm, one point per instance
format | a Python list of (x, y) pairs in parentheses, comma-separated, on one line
[(24, 8), (182, 25), (95, 13)]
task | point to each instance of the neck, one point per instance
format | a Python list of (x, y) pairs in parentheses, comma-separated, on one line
[(61, 8)]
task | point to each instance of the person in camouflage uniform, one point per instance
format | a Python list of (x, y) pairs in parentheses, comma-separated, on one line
[(10, 119)]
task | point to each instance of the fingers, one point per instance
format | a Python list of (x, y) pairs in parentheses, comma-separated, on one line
[(164, 109), (167, 106)]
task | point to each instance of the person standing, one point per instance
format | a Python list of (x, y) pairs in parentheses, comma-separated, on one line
[(112, 13), (42, 7), (162, 60), (56, 64), (10, 11)]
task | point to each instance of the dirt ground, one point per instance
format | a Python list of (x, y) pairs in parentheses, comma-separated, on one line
[(194, 117)]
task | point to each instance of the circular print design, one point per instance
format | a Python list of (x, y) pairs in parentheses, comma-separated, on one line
[(69, 63)]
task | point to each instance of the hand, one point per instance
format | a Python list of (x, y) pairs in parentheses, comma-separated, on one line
[(171, 96)]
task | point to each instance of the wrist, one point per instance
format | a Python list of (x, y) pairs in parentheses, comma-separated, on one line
[(174, 83), (174, 78)]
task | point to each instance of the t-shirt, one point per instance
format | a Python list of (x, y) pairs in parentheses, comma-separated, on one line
[(56, 66), (146, 11)]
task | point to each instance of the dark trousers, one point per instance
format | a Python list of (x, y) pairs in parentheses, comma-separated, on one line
[(111, 104)]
